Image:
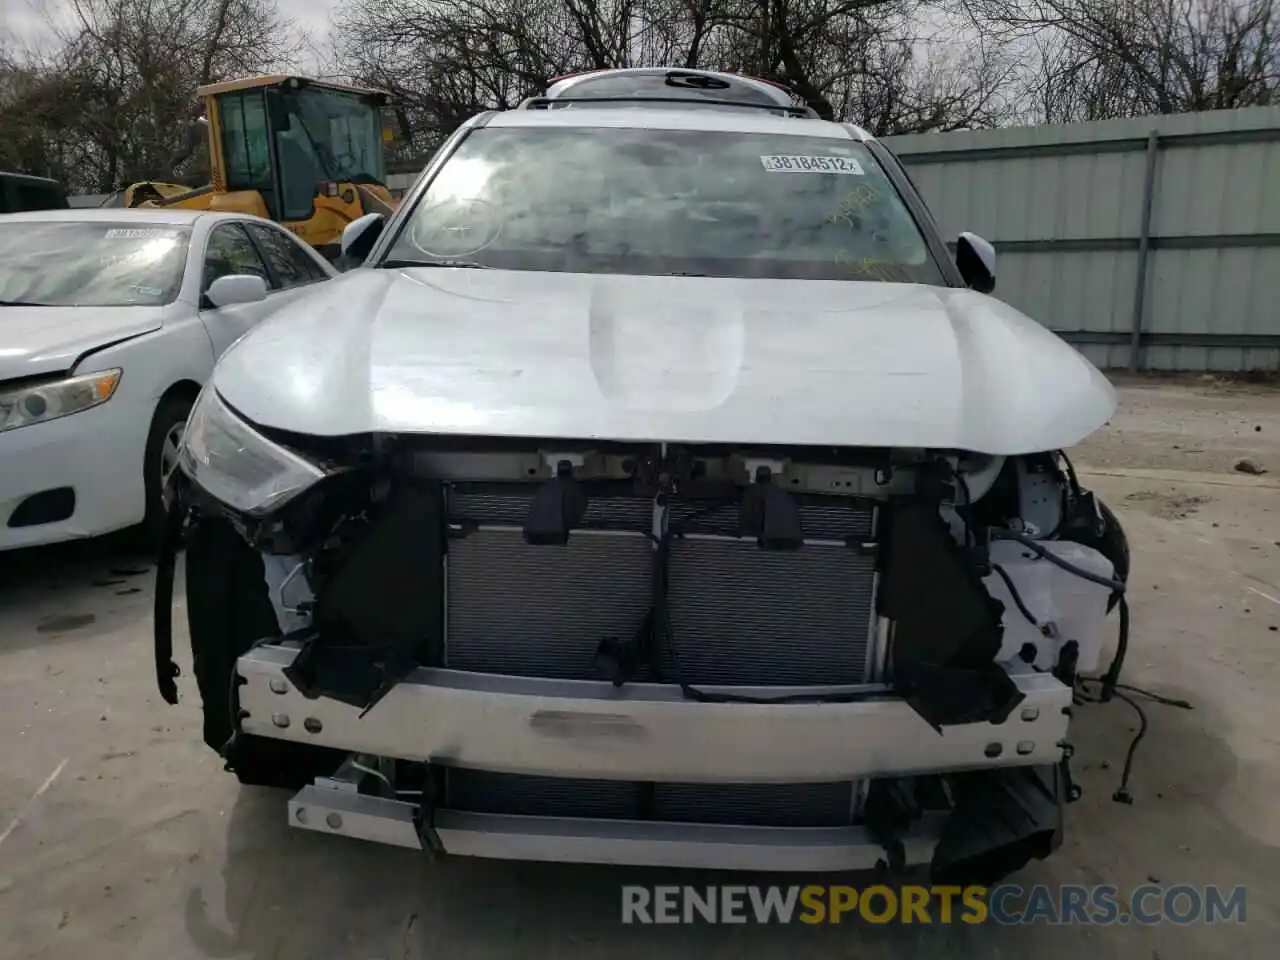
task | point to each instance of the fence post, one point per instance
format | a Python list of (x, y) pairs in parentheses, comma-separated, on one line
[(1144, 248)]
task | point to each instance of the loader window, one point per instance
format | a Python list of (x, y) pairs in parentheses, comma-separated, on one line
[(246, 145), (339, 133)]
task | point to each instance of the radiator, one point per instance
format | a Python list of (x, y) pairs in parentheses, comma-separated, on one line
[(739, 615)]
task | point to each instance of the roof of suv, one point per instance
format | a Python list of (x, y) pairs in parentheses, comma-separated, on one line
[(669, 117), (672, 98)]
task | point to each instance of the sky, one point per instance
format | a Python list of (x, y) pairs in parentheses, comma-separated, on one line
[(27, 19)]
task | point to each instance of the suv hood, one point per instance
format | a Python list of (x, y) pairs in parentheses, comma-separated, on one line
[(633, 358), (42, 340)]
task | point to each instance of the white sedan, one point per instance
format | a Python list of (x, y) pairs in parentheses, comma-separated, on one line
[(110, 322)]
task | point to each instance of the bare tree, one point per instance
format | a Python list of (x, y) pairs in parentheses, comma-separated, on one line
[(30, 116), (113, 101), (117, 96), (1108, 58), (444, 60)]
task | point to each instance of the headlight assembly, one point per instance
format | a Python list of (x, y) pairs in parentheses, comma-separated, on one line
[(23, 406), (238, 466)]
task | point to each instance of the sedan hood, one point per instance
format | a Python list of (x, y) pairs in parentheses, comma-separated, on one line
[(42, 340), (685, 359)]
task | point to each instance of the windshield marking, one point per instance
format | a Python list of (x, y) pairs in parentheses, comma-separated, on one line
[(136, 233), (802, 164), (854, 204), (885, 271)]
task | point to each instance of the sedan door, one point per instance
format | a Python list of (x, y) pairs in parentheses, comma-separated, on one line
[(230, 251)]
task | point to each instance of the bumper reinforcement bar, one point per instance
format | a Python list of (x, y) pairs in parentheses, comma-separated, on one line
[(562, 840), (1002, 819), (587, 729)]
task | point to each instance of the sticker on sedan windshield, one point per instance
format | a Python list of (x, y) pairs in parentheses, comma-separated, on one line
[(780, 164), (136, 233)]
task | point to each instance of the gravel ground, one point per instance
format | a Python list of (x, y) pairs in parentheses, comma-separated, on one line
[(121, 837), (1192, 423)]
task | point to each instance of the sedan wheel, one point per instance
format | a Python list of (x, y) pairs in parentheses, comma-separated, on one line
[(161, 459), (169, 453)]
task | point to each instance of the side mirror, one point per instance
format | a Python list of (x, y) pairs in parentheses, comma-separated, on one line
[(236, 288), (360, 235), (976, 259)]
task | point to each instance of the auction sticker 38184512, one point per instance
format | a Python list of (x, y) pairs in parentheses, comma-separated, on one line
[(783, 164)]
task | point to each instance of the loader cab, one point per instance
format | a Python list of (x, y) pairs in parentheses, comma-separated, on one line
[(292, 140)]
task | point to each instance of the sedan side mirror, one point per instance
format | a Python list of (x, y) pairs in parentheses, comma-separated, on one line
[(236, 288), (976, 259), (360, 235)]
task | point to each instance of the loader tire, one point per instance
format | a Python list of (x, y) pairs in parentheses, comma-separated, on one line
[(228, 610)]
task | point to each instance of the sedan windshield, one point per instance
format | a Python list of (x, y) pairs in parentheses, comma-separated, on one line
[(643, 201), (90, 263)]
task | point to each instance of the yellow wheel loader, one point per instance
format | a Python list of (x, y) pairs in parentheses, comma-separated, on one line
[(305, 153)]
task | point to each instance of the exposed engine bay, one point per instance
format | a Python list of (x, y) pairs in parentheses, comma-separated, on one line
[(940, 595)]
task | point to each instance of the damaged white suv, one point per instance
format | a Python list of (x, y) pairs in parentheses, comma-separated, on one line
[(658, 490)]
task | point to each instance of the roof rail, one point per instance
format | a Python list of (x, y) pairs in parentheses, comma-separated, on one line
[(773, 83), (569, 76), (601, 70), (548, 103), (670, 85)]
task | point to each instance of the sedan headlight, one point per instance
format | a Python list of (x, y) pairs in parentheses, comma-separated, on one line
[(237, 465), (23, 406)]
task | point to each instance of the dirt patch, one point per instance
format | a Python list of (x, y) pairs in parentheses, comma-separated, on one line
[(1170, 505)]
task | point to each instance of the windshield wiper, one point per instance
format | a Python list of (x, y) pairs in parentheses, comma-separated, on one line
[(22, 303), (466, 264)]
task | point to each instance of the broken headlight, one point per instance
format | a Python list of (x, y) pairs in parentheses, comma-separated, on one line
[(235, 464)]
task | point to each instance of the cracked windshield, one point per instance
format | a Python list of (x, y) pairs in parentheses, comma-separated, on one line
[(668, 202)]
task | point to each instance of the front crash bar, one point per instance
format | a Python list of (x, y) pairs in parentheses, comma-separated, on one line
[(649, 732)]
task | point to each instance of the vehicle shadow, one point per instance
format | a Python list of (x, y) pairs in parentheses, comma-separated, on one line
[(69, 591), (292, 894)]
